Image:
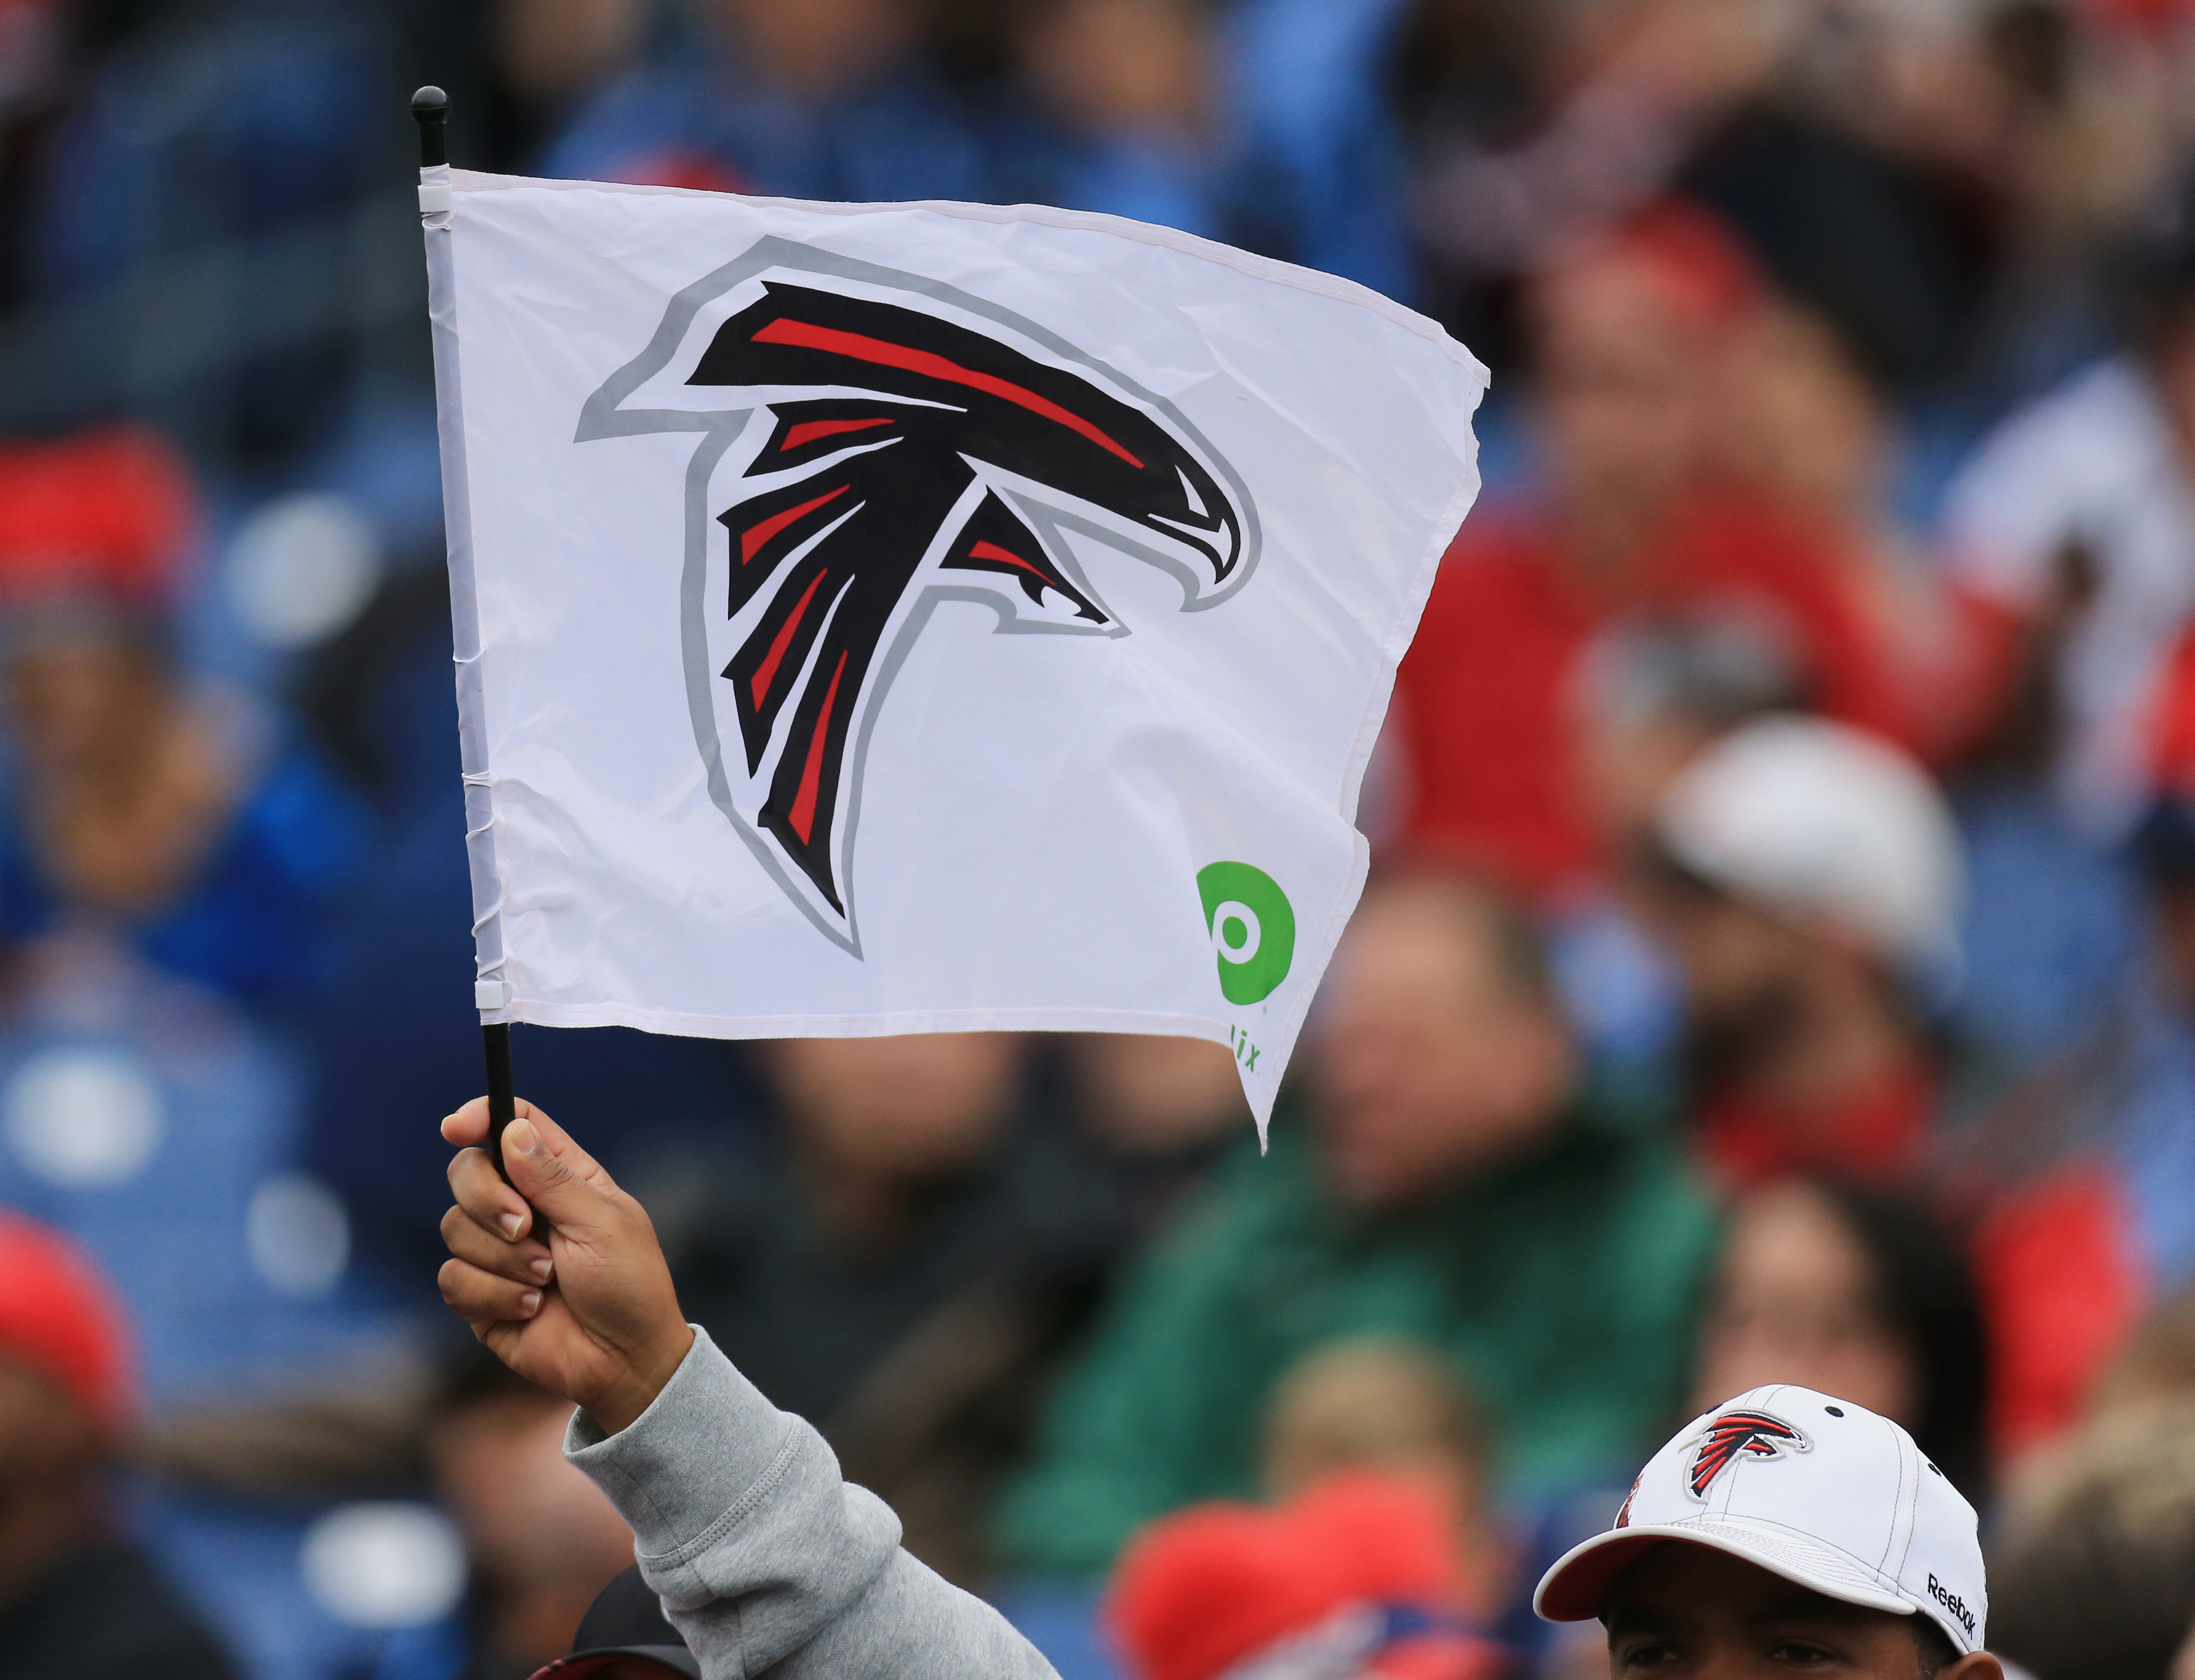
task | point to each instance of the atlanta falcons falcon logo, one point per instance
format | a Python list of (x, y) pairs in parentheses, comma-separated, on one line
[(1756, 1434), (874, 444)]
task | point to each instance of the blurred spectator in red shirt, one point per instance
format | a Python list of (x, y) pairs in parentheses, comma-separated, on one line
[(1356, 1577), (1634, 333), (1808, 876), (1392, 1404), (75, 1599)]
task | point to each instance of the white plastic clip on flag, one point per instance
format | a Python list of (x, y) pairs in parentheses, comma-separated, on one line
[(912, 618)]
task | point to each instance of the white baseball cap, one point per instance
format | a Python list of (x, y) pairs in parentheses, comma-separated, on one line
[(1817, 1490), (1825, 823)]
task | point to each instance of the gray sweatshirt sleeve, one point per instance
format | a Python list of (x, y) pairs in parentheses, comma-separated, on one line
[(767, 1560)]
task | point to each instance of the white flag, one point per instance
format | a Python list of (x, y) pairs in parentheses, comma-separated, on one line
[(914, 617)]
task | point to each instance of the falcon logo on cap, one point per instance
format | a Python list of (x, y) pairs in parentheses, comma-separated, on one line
[(1757, 1434)]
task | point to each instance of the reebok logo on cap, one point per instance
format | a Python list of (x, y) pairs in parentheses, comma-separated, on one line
[(1953, 1603), (1812, 1488)]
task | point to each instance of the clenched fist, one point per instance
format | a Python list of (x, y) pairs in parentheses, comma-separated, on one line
[(589, 1313)]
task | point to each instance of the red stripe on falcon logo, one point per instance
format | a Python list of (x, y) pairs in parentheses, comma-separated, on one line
[(755, 536), (766, 672), (803, 815), (809, 430), (993, 552), (805, 336)]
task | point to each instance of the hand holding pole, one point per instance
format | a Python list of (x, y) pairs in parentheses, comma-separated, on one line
[(585, 1309)]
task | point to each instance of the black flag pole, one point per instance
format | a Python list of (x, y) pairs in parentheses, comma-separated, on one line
[(502, 1098), (430, 109)]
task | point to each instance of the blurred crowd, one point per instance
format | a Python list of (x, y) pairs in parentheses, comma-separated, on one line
[(1779, 963)]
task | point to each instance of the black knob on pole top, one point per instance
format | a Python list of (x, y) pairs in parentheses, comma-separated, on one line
[(429, 107)]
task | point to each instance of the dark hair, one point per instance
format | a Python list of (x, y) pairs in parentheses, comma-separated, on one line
[(469, 1375), (1466, 67), (2155, 265), (2162, 844), (1938, 1653), (1925, 1293)]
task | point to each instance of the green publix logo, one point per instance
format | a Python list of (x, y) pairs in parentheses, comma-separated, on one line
[(1253, 936)]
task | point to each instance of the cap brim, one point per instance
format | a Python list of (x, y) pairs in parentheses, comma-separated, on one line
[(671, 1659), (1577, 1588)]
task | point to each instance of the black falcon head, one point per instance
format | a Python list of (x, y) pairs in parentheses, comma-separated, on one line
[(889, 455)]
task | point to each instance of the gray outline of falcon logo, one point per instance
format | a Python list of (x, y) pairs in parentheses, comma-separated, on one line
[(873, 443)]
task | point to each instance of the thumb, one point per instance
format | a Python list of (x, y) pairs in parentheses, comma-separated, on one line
[(539, 1172)]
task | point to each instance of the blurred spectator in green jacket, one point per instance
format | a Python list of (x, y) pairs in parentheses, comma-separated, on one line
[(1458, 1178)]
